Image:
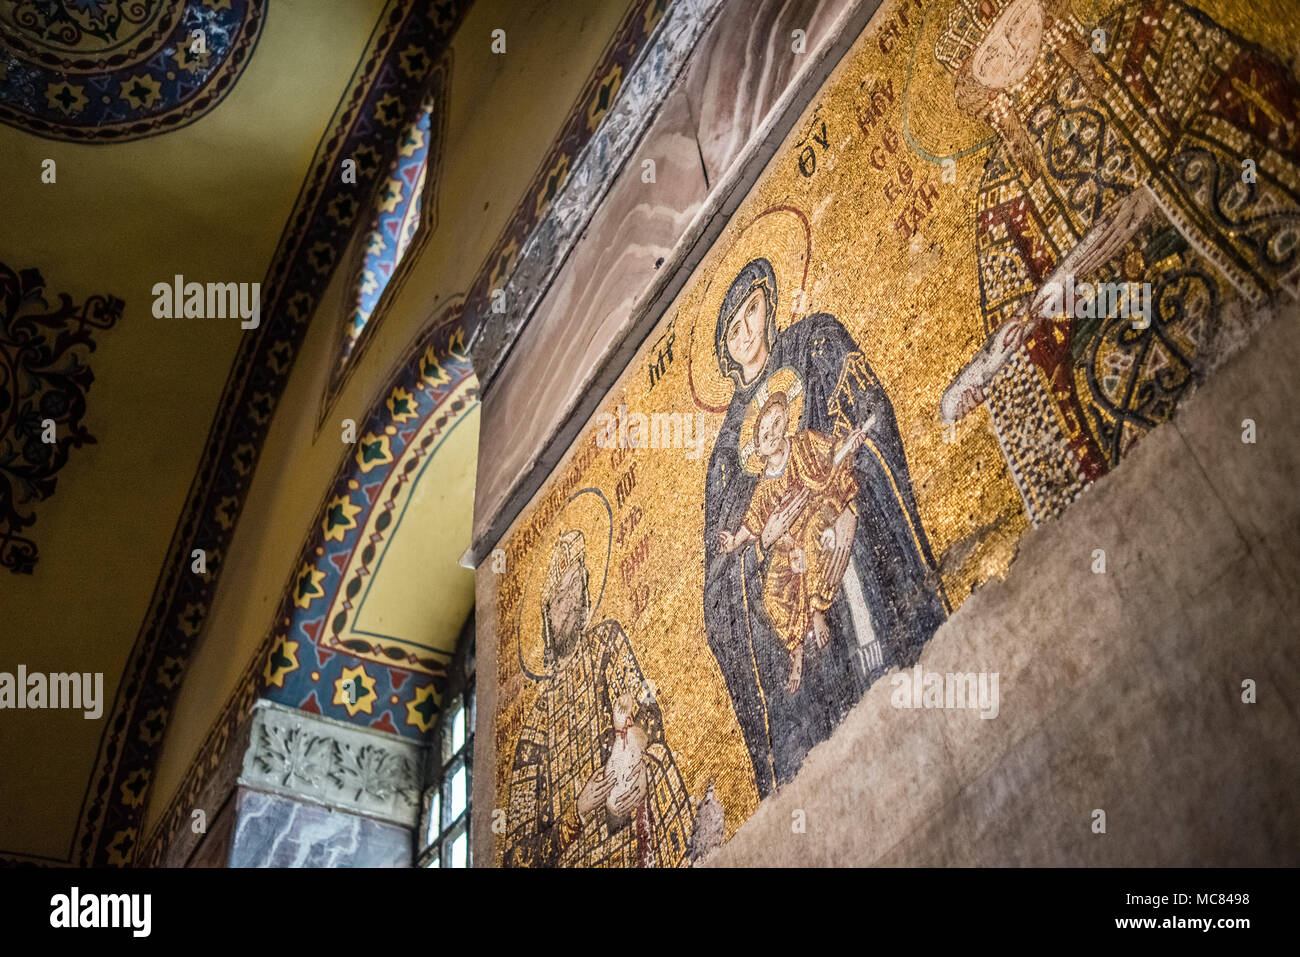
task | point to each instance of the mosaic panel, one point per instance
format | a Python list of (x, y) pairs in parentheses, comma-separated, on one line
[(1008, 239)]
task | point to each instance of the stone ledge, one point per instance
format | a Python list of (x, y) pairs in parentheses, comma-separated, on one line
[(320, 760)]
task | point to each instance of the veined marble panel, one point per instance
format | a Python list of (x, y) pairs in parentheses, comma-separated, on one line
[(493, 335), (275, 831)]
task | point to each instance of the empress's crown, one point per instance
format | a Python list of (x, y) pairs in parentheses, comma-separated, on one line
[(968, 23)]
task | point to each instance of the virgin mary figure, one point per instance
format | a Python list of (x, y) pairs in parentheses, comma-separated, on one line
[(889, 599)]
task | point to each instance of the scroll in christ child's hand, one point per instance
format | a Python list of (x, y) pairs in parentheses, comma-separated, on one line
[(854, 440), (780, 521)]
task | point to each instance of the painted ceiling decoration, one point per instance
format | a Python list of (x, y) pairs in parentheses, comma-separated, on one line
[(118, 70), (404, 212), (385, 93), (44, 378), (310, 651)]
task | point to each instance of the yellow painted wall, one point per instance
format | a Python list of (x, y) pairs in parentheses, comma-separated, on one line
[(208, 201)]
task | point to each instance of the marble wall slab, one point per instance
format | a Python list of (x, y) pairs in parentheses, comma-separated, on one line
[(492, 335), (276, 831), (742, 67)]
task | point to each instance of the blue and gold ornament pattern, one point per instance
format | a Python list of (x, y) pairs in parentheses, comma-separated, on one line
[(113, 71), (396, 684)]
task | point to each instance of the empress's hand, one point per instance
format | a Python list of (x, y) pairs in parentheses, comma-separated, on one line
[(968, 389), (595, 792), (965, 393), (784, 517), (1119, 224), (1112, 229), (973, 395)]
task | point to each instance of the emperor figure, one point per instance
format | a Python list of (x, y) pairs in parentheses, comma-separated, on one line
[(1155, 149), (569, 803)]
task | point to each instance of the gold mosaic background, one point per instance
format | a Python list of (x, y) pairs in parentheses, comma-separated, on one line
[(912, 304)]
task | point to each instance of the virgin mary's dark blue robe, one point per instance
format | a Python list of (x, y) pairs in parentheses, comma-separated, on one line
[(890, 552)]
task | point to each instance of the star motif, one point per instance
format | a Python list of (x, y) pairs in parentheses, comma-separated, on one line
[(340, 518), (170, 671), (414, 61), (119, 852), (413, 141), (322, 257), (431, 368), (388, 111), (191, 619), (141, 91), (66, 97), (282, 660), (134, 788), (191, 62), (307, 585), (373, 450), (422, 709), (152, 727), (390, 194), (342, 209), (401, 405), (554, 180), (355, 691), (604, 96), (367, 158)]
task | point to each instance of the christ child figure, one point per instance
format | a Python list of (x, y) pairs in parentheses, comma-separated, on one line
[(798, 588)]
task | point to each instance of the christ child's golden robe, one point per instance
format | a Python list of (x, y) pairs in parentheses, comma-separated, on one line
[(796, 583)]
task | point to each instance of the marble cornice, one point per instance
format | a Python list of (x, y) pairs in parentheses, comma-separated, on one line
[(647, 85)]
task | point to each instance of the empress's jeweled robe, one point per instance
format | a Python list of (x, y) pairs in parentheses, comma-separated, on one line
[(567, 738), (1184, 102)]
